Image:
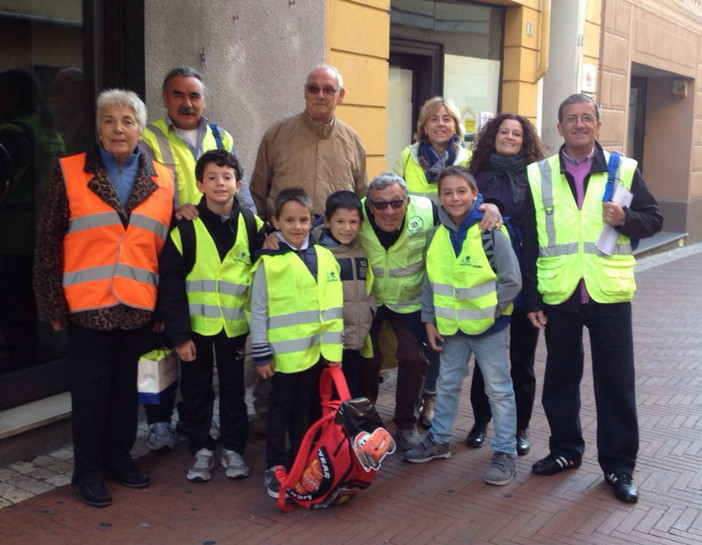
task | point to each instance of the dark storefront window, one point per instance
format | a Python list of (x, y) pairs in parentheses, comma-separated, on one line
[(42, 113), (56, 56), (448, 48)]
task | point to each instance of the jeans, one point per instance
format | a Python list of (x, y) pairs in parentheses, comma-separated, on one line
[(198, 396), (523, 338), (491, 351), (611, 342)]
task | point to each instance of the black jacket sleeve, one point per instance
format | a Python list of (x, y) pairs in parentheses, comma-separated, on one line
[(172, 307)]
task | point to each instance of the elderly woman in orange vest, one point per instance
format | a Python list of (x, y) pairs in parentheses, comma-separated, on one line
[(104, 223)]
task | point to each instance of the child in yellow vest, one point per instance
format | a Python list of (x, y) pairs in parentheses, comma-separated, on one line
[(470, 283), (203, 285), (296, 304)]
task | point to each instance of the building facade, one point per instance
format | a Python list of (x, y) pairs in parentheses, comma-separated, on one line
[(639, 58)]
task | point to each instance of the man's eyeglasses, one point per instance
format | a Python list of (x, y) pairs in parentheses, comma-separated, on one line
[(314, 90), (585, 119), (382, 205)]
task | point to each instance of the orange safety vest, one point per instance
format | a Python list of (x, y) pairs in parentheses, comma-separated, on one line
[(105, 263)]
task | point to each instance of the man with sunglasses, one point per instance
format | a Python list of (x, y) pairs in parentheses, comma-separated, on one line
[(313, 150), (571, 281), (395, 234)]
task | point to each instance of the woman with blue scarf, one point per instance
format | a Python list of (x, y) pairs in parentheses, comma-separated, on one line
[(505, 146), (438, 144)]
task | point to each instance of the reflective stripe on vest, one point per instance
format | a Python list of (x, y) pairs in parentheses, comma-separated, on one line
[(217, 289), (106, 264), (417, 184), (464, 287), (170, 149), (305, 315), (567, 236), (399, 271)]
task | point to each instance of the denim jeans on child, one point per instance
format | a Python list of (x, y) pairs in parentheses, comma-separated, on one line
[(491, 353)]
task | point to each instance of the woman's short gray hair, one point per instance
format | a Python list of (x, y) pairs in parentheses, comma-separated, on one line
[(122, 97), (381, 181)]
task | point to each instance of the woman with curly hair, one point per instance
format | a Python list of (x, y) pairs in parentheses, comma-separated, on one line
[(505, 146)]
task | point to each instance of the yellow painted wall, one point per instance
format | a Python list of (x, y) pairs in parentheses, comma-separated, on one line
[(360, 52)]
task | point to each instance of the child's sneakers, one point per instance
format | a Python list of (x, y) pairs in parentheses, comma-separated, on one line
[(272, 482), (203, 462), (427, 450), (502, 470), (235, 466)]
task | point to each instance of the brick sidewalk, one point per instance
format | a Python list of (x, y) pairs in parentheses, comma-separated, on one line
[(443, 502)]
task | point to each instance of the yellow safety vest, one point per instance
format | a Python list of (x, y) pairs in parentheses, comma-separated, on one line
[(399, 271), (305, 314), (170, 149), (567, 236), (217, 289), (412, 172), (464, 286)]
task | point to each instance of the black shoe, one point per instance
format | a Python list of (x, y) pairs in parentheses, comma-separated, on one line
[(131, 477), (523, 445), (96, 494), (476, 436), (624, 488), (553, 464)]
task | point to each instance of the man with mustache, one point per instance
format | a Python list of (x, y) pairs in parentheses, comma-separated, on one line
[(178, 140)]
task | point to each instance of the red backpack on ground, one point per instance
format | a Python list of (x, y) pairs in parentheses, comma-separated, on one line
[(340, 454)]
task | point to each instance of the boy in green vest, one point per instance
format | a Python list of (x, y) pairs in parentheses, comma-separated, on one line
[(203, 284), (471, 280), (296, 323)]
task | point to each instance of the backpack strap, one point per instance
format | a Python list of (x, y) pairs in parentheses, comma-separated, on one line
[(331, 378), (489, 247), (612, 167), (251, 230), (188, 241), (217, 135)]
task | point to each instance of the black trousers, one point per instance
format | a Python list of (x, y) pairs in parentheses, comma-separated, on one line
[(103, 375), (198, 395), (612, 347), (523, 338), (289, 413), (411, 364)]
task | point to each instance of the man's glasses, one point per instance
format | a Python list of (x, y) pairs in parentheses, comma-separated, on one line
[(585, 119), (314, 90), (382, 205)]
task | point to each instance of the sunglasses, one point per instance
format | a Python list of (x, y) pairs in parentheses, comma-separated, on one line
[(382, 205), (314, 90)]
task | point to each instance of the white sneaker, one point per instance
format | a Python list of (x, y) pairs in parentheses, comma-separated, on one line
[(203, 462), (161, 437), (235, 466)]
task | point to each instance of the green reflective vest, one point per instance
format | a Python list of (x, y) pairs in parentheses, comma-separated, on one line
[(567, 236), (464, 286), (399, 271), (305, 314), (217, 289), (171, 150)]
